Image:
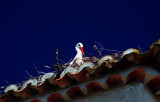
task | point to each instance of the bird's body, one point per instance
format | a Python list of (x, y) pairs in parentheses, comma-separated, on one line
[(78, 59)]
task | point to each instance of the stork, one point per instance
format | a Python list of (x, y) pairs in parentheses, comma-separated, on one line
[(76, 62), (78, 58)]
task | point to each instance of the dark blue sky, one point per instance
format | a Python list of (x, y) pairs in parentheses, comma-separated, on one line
[(30, 31)]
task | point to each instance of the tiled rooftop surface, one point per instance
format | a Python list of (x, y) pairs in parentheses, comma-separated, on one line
[(150, 57)]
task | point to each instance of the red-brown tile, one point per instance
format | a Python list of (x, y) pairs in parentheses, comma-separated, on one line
[(114, 80), (93, 86), (101, 70), (146, 57), (136, 75), (65, 81), (45, 87), (81, 76), (120, 65), (55, 97), (137, 58), (27, 92), (8, 97), (154, 84), (75, 92), (35, 100)]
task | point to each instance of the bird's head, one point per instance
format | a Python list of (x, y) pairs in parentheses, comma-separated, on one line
[(80, 46)]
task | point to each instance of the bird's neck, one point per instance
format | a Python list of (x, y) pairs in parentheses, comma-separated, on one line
[(79, 53)]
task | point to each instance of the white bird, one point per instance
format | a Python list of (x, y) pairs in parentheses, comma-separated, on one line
[(78, 59)]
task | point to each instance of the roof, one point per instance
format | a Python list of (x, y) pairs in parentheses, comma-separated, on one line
[(133, 57)]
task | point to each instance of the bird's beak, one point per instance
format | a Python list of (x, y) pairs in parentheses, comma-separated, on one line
[(82, 50)]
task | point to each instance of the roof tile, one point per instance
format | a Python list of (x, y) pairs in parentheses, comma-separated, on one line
[(93, 86), (101, 70), (81, 76), (154, 83), (56, 97), (114, 80), (8, 97), (66, 81), (27, 92), (75, 92), (46, 86), (136, 75), (35, 100)]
